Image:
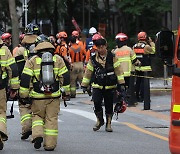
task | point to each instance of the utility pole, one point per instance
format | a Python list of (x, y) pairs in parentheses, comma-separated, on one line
[(25, 9), (83, 15), (89, 15), (175, 14)]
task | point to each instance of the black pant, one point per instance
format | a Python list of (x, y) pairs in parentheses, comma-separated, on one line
[(107, 95), (139, 85)]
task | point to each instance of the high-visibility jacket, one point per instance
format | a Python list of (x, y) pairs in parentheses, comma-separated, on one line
[(77, 53), (88, 53), (143, 51), (90, 71), (126, 56), (8, 69), (62, 49), (31, 75)]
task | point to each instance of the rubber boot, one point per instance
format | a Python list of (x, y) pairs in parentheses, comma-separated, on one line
[(108, 122), (100, 120)]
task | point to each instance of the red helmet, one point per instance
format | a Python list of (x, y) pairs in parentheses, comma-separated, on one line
[(142, 36), (96, 37), (62, 34), (121, 37), (21, 36), (75, 33), (120, 107), (5, 36)]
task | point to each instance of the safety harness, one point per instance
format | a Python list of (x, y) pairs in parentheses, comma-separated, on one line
[(104, 76)]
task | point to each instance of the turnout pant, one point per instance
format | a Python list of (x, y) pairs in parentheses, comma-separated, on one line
[(107, 95), (76, 74), (26, 117), (45, 121), (3, 108)]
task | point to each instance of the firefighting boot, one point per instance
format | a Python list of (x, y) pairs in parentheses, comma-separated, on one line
[(26, 135), (100, 120), (1, 143), (37, 142), (108, 122)]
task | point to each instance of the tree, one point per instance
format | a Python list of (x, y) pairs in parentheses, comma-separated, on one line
[(15, 23)]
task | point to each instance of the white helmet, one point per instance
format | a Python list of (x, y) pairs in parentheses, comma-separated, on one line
[(92, 30)]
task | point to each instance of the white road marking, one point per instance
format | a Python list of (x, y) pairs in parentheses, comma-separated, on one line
[(82, 113)]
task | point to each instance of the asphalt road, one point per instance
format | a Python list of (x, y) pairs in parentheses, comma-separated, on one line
[(136, 131)]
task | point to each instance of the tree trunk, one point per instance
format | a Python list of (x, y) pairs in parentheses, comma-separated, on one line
[(15, 23)]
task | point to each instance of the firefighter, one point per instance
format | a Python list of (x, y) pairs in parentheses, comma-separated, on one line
[(93, 48), (104, 71), (89, 42), (143, 49), (21, 36), (45, 72), (76, 73), (22, 54), (7, 40), (8, 71), (62, 50), (125, 55)]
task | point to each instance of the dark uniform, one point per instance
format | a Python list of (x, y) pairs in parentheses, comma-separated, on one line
[(104, 72), (143, 49)]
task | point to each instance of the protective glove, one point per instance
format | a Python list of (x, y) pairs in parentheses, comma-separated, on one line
[(25, 101), (63, 93), (121, 89), (84, 89)]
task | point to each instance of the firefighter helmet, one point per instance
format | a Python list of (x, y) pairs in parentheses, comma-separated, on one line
[(120, 107), (75, 33), (121, 37), (21, 36), (6, 36), (142, 36), (62, 34), (85, 31), (92, 31), (43, 42), (96, 37), (32, 29)]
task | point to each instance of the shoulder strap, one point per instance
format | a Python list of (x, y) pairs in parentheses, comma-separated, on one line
[(109, 59), (94, 62)]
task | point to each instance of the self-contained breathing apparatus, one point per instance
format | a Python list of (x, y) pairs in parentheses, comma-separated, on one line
[(104, 76), (140, 54), (47, 78)]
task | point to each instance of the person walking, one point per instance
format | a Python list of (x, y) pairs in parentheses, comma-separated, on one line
[(104, 72), (45, 72)]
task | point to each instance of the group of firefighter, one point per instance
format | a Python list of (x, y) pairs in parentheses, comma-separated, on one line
[(44, 68)]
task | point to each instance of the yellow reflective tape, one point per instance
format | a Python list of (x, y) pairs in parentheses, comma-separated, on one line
[(28, 71), (3, 120), (116, 64), (26, 117), (63, 70), (89, 67), (86, 80), (2, 52), (176, 108), (97, 86), (54, 58), (38, 60), (26, 53), (175, 32)]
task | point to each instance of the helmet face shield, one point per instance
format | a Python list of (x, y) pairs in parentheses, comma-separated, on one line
[(32, 29)]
